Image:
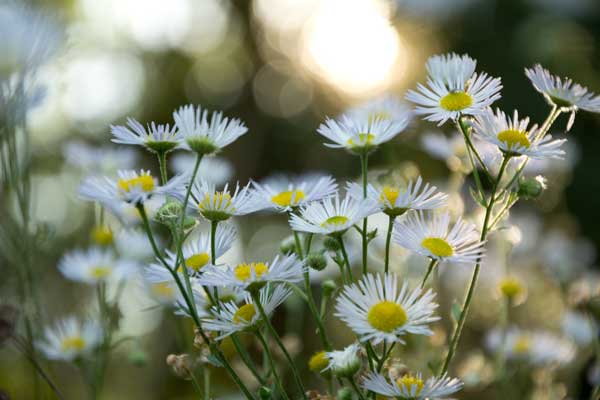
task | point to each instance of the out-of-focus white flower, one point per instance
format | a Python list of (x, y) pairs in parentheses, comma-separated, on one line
[(98, 160), (565, 257), (536, 347), (133, 244), (215, 170), (377, 309), (70, 339), (387, 108), (581, 328), (94, 265)]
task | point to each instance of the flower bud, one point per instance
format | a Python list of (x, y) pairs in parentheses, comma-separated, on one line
[(287, 245), (531, 188), (169, 212), (316, 261), (331, 243), (345, 363), (328, 287), (344, 394), (318, 363), (180, 364)]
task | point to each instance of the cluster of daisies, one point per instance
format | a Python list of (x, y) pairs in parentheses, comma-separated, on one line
[(225, 298)]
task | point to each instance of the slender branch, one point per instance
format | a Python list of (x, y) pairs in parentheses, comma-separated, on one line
[(272, 364), (364, 162), (388, 240), (432, 265)]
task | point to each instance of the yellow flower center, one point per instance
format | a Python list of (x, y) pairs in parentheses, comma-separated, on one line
[(197, 261), (364, 139), (243, 272), (456, 101), (409, 381), (336, 220), (73, 343), (513, 137), (389, 195), (288, 198), (100, 272), (522, 344), (144, 181), (244, 314), (163, 289), (318, 362), (386, 316), (511, 287), (438, 247), (215, 201), (102, 235)]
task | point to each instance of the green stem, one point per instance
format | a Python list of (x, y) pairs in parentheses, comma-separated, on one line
[(356, 388), (196, 385), (364, 163), (206, 378), (162, 165), (298, 245), (277, 339), (432, 265), (345, 255), (388, 240), (272, 364), (469, 296), (246, 358)]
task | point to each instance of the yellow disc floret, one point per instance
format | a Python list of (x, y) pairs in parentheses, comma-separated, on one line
[(244, 314), (438, 246), (197, 261), (364, 139), (318, 362), (215, 201), (335, 220), (100, 272), (163, 289), (387, 316), (410, 381), (456, 101), (102, 235), (73, 343), (511, 287), (389, 195), (243, 272), (513, 137), (288, 198), (522, 344), (144, 182)]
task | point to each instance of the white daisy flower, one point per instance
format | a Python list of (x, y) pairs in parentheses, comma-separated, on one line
[(283, 193), (95, 159), (131, 187), (156, 138), (433, 238), (396, 200), (70, 339), (344, 363), (197, 252), (563, 93), (216, 170), (256, 274), (330, 215), (536, 347), (386, 108), (220, 205), (230, 317), (513, 137), (412, 387), (454, 89), (361, 133), (203, 136), (94, 265), (376, 309)]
